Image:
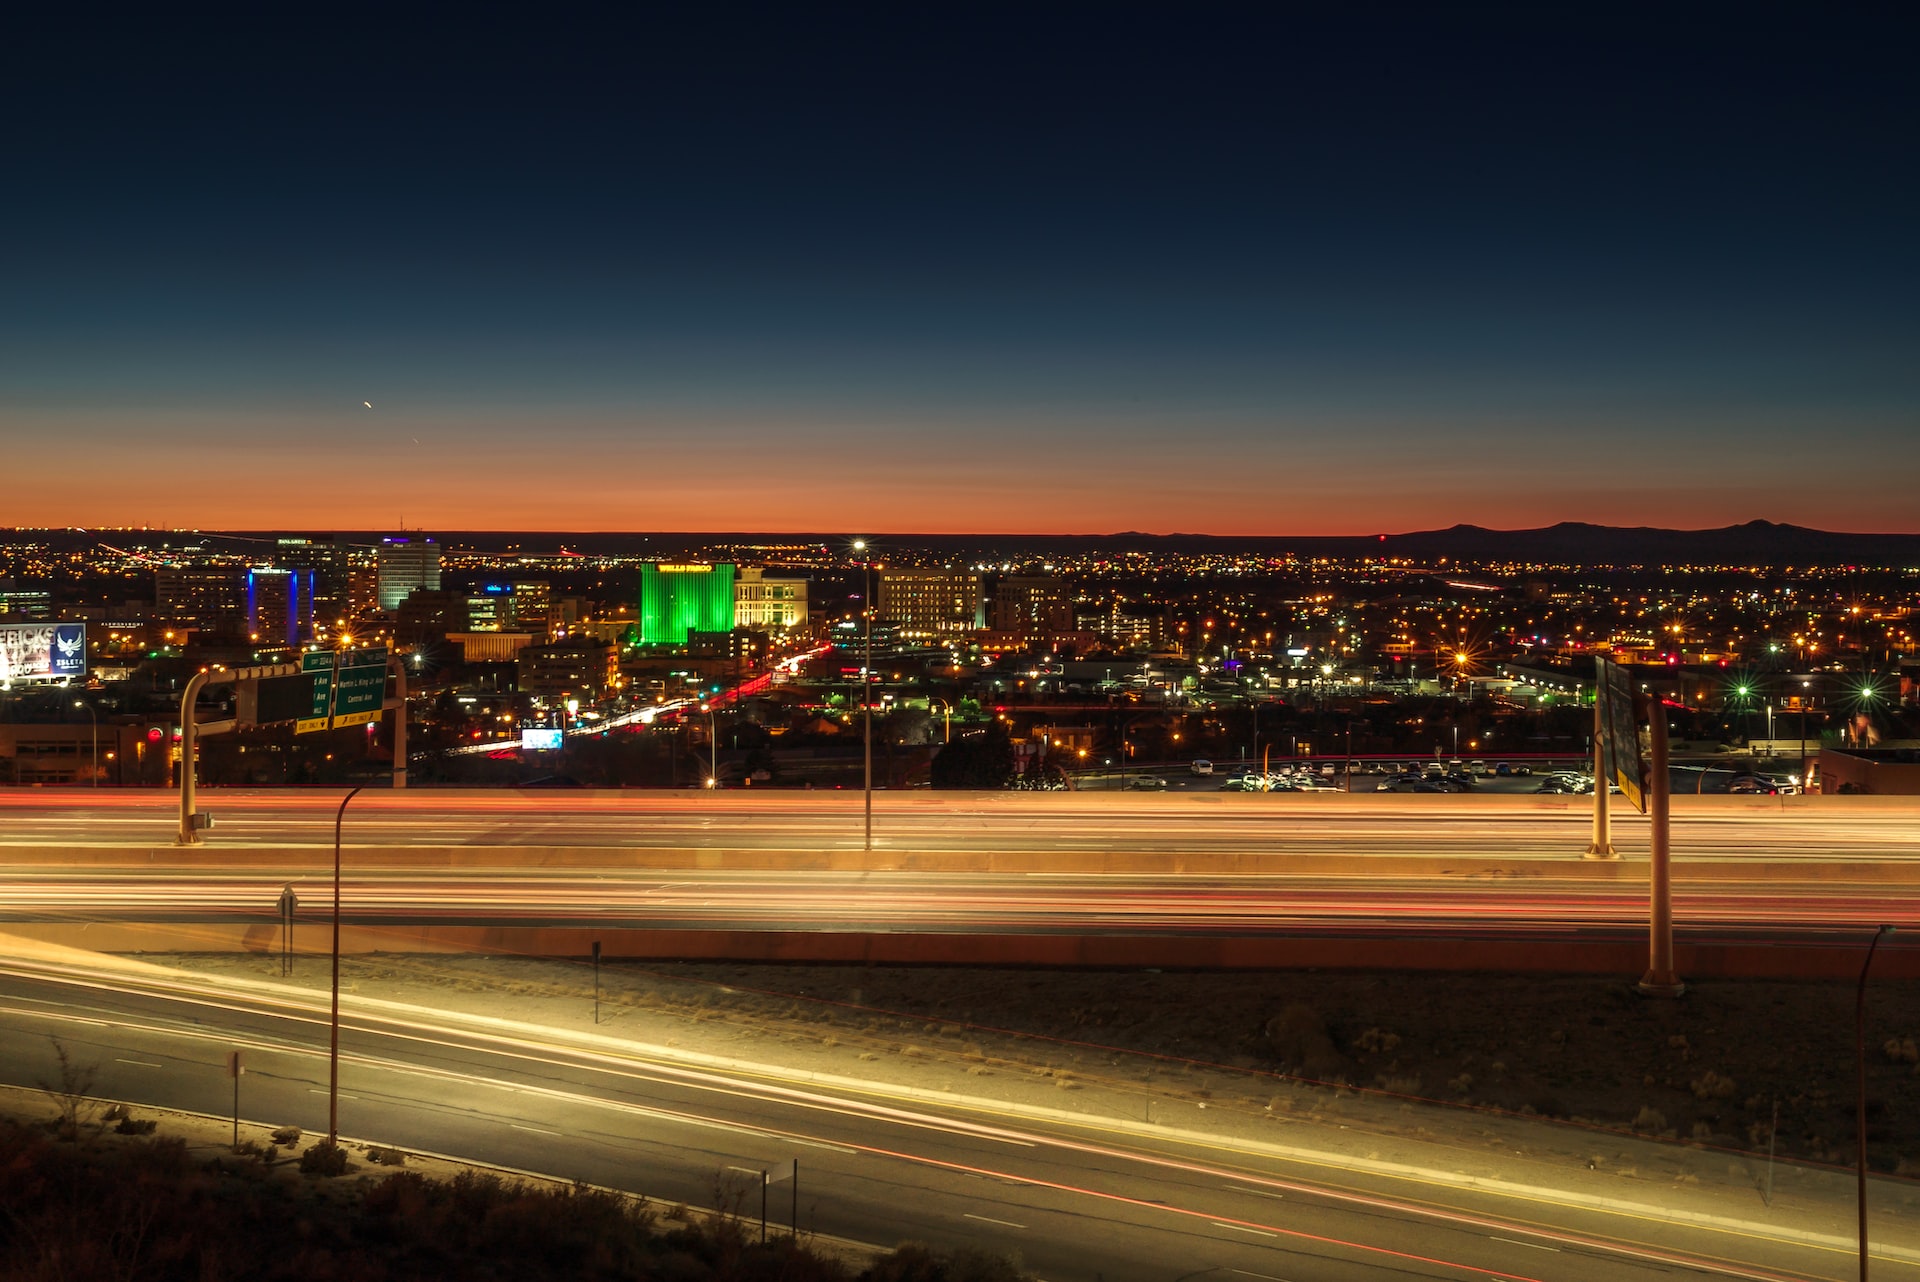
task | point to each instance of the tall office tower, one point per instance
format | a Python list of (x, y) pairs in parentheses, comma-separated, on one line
[(203, 598), (931, 603), (407, 563), (769, 603), (678, 599), (326, 559), (280, 605)]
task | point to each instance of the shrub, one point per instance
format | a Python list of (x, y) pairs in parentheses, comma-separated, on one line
[(1711, 1085), (286, 1136), (1375, 1040), (324, 1158), (1300, 1041)]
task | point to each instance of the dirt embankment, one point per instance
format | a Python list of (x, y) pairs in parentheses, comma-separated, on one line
[(1711, 1066)]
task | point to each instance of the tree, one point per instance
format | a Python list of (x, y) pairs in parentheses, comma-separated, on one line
[(977, 761)]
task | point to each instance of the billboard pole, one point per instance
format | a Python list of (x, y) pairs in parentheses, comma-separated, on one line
[(1601, 847), (1660, 979)]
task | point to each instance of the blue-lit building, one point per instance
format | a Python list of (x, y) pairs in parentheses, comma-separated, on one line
[(280, 605)]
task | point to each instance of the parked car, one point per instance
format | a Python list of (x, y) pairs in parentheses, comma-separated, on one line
[(1201, 767), (1503, 769), (1147, 783)]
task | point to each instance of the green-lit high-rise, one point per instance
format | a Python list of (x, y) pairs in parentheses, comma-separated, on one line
[(678, 599)]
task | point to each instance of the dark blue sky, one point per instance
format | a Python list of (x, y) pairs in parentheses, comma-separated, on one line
[(1084, 269)]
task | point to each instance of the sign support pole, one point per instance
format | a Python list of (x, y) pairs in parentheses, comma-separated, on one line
[(1601, 847), (1660, 980), (189, 749)]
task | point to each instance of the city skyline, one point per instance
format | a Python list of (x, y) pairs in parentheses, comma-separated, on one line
[(1272, 275)]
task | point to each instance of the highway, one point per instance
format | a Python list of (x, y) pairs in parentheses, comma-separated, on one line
[(1704, 828), (942, 904), (1080, 1189)]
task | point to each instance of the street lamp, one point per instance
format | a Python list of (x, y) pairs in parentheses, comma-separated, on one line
[(946, 710), (333, 1024), (713, 747), (866, 689), (93, 717), (1860, 1063)]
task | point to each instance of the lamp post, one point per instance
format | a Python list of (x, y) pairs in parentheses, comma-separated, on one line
[(93, 717), (946, 710), (713, 747), (1860, 1064), (866, 690), (333, 1022)]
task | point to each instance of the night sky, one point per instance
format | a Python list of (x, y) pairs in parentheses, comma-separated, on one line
[(960, 268)]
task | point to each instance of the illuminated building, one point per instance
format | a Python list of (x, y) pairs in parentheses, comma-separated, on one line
[(678, 599), (519, 606), (280, 605), (930, 603), (1030, 605), (407, 564), (768, 604), (210, 599), (326, 560)]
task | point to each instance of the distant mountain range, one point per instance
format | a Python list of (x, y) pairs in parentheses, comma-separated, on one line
[(1568, 543)]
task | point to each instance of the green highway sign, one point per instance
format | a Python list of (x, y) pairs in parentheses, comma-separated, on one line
[(359, 687), (317, 664)]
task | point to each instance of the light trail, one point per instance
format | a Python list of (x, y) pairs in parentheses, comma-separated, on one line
[(553, 1049)]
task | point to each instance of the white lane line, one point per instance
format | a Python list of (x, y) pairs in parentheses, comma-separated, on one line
[(141, 1063), (747, 1170), (315, 1090), (836, 1148), (1512, 1241), (535, 1129), (988, 1219), (1241, 1188), (1268, 1276), (1242, 1228)]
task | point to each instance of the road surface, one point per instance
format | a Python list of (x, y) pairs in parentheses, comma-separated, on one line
[(1075, 1193), (1707, 828)]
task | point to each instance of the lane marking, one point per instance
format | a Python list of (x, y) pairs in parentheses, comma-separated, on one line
[(1268, 1276), (988, 1219), (535, 1129), (1513, 1241), (140, 1063), (1241, 1228), (1239, 1188), (315, 1090)]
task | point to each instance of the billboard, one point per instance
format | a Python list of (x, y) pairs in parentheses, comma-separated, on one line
[(1626, 763), (42, 651), (540, 739)]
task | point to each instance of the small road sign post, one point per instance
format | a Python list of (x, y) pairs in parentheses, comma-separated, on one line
[(234, 1069), (289, 904)]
